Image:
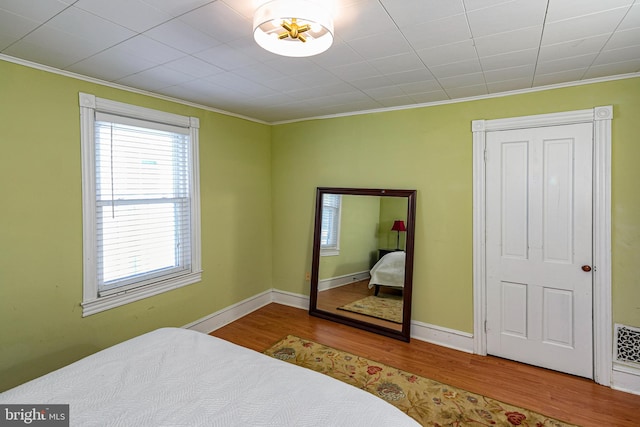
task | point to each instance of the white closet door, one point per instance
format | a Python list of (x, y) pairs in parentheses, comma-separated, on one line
[(539, 247)]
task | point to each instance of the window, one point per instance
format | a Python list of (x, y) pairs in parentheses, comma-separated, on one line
[(330, 232), (141, 207)]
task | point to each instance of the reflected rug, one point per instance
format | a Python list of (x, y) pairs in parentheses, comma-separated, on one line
[(429, 402), (387, 307)]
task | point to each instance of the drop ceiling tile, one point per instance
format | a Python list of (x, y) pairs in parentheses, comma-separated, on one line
[(559, 10), (193, 66), (371, 82), (69, 37), (410, 12), (573, 48), (411, 76), (225, 57), (473, 79), (612, 69), (239, 84), (632, 18), (93, 29), (178, 35), (13, 28), (132, 14), (362, 19), (357, 71), (380, 45), (446, 54), (510, 41), (471, 5), (219, 21), (561, 77), (506, 17), (467, 91), (42, 50), (339, 53), (457, 68), (176, 8), (427, 97), (397, 63), (111, 64), (291, 66), (149, 49), (624, 38), (509, 85), (384, 92), (38, 11), (512, 73), (511, 59), (448, 30), (559, 65), (320, 78), (395, 101), (421, 86), (257, 72), (582, 27), (618, 55), (156, 78)]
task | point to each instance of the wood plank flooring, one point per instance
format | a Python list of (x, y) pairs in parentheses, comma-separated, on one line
[(566, 397)]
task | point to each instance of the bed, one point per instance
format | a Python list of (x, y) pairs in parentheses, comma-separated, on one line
[(388, 271), (178, 377)]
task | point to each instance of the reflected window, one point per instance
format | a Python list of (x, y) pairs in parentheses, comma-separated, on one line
[(330, 232)]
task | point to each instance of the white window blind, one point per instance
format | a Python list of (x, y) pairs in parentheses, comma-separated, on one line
[(142, 201), (330, 231)]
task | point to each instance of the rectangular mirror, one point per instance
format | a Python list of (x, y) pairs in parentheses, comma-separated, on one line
[(362, 266)]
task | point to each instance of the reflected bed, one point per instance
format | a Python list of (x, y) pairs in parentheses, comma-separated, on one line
[(389, 271)]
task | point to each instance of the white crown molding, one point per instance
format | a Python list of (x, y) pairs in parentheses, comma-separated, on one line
[(53, 70), (106, 83)]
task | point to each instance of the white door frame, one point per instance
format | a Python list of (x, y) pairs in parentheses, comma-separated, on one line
[(601, 118)]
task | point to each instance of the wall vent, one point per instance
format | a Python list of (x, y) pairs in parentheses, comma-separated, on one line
[(627, 341)]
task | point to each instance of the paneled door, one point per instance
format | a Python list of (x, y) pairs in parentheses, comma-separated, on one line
[(539, 246)]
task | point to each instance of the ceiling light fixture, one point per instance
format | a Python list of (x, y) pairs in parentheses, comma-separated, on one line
[(293, 27)]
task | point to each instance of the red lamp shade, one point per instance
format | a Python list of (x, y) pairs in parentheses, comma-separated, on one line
[(398, 226)]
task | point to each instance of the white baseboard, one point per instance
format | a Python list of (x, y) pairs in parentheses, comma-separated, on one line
[(290, 299), (445, 337), (625, 378), (421, 331), (230, 314), (335, 282)]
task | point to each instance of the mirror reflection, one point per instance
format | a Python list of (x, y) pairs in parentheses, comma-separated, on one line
[(360, 273)]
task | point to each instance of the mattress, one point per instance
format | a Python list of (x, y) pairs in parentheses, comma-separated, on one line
[(389, 270), (178, 377)]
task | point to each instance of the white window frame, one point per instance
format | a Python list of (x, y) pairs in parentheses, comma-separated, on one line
[(333, 250), (92, 301)]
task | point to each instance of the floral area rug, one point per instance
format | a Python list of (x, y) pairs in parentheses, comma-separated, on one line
[(387, 307), (429, 402)]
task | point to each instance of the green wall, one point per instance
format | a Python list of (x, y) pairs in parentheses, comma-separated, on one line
[(258, 195), (41, 324), (430, 149)]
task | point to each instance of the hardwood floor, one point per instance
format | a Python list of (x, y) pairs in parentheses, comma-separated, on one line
[(331, 299), (566, 397)]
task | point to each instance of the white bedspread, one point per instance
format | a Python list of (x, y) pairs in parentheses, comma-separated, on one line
[(177, 377), (389, 270)]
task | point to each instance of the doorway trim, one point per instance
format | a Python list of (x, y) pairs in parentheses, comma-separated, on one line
[(601, 118)]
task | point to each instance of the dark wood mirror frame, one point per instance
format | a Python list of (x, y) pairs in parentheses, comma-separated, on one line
[(405, 332)]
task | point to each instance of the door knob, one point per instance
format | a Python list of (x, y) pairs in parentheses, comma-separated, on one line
[(586, 268)]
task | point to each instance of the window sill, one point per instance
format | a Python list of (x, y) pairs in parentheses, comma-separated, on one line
[(98, 305)]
